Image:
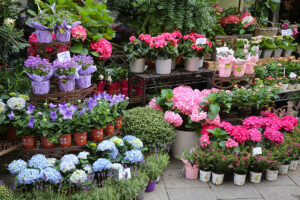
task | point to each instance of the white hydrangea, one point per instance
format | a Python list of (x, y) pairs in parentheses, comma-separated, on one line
[(83, 155), (51, 162), (70, 158), (66, 166), (117, 167), (2, 107), (88, 168), (16, 103), (79, 176)]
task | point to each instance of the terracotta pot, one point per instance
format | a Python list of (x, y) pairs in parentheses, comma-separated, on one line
[(28, 142), (46, 143), (11, 133), (109, 130), (80, 138), (65, 140), (118, 124), (97, 134), (191, 173)]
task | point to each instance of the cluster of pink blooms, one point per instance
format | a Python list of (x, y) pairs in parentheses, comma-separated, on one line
[(274, 135), (231, 143), (79, 32), (103, 47), (193, 37), (152, 104), (204, 140), (255, 135), (197, 117), (173, 118)]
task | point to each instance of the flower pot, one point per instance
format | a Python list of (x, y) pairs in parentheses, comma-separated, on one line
[(109, 130), (251, 62), (118, 124), (97, 134), (271, 175), (43, 36), (158, 179), (100, 87), (65, 140), (259, 53), (173, 66), (45, 142), (284, 87), (201, 62), (80, 138), (28, 142), (163, 66), (277, 53), (192, 64), (184, 140), (84, 81), (62, 35), (66, 85), (191, 173), (141, 195), (287, 53), (225, 65), (243, 113), (267, 53), (217, 179), (239, 67), (293, 165), (42, 87), (298, 86), (137, 66), (255, 177), (239, 179), (151, 186), (291, 87), (11, 133), (205, 176), (283, 169)]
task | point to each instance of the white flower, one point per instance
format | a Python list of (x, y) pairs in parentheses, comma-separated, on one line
[(16, 103), (109, 79), (83, 155), (224, 51), (101, 77), (293, 75), (117, 166), (79, 176), (88, 168), (51, 162), (9, 21), (2, 107), (66, 166), (40, 113), (71, 158)]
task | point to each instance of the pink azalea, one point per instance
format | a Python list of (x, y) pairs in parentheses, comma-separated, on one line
[(173, 118), (79, 32), (255, 135), (204, 140), (146, 38), (152, 104), (231, 143), (274, 135), (103, 47)]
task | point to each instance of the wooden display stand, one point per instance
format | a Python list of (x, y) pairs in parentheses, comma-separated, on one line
[(227, 83)]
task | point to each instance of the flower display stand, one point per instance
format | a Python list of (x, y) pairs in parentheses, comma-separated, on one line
[(7, 146), (227, 83), (50, 50), (288, 95)]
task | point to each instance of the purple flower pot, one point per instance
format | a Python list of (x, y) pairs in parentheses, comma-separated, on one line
[(62, 35), (43, 36), (151, 186), (42, 87), (84, 81), (66, 85)]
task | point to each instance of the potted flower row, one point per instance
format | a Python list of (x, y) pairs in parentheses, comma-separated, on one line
[(41, 70)]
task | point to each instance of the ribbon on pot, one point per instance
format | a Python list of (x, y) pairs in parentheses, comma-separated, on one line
[(63, 31), (37, 78), (38, 26)]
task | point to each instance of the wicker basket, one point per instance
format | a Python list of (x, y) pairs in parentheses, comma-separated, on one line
[(267, 31)]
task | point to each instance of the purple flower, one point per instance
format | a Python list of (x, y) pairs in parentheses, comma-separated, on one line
[(11, 115), (82, 111), (62, 108), (91, 103), (30, 108), (53, 116), (67, 114), (51, 105), (73, 108), (31, 122)]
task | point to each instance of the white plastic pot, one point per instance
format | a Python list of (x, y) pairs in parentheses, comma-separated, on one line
[(255, 177), (293, 165), (201, 62), (272, 175), (239, 179), (205, 176), (284, 87), (163, 66), (217, 179), (138, 66), (184, 140), (192, 64), (283, 169)]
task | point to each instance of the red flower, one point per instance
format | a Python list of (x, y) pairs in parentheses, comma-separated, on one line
[(245, 14), (103, 47), (230, 19)]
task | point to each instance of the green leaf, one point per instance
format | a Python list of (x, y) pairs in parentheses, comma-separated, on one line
[(169, 103), (212, 115), (76, 48), (222, 144), (236, 149), (31, 12), (214, 108), (94, 53)]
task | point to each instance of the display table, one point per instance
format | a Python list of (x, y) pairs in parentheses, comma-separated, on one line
[(227, 83)]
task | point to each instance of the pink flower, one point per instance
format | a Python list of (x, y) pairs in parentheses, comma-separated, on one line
[(231, 143), (204, 140), (103, 47), (271, 121), (173, 118), (216, 121), (240, 134), (177, 34), (274, 135), (255, 135), (197, 117), (132, 38), (146, 38), (152, 104), (245, 14), (33, 38), (253, 122), (289, 122), (79, 32), (205, 127)]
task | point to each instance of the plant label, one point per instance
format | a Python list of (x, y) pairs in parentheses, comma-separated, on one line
[(256, 151), (286, 32), (64, 56), (201, 41)]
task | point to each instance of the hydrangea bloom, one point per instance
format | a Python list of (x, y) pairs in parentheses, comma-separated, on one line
[(28, 176), (216, 121), (88, 168), (134, 141), (240, 134), (173, 118), (274, 135), (117, 166), (2, 107), (227, 126), (197, 117), (72, 158), (231, 143), (207, 126), (67, 166), (51, 162), (204, 140), (272, 121), (51, 175), (134, 156), (79, 32), (16, 103), (79, 176), (117, 141), (103, 47), (83, 155), (102, 164), (16, 166), (289, 122), (253, 122), (106, 145), (255, 135), (152, 104), (38, 161)]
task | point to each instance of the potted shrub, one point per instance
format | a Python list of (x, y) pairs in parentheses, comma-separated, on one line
[(136, 51), (39, 71), (205, 164), (283, 157), (87, 67), (66, 72), (252, 58), (225, 58), (193, 48), (257, 167), (220, 164), (121, 104), (272, 167), (240, 164), (191, 166), (239, 62), (267, 45)]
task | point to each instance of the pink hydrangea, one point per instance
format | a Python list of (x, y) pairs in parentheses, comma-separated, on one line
[(227, 126), (197, 117), (204, 140), (289, 122), (255, 135), (231, 143), (240, 134), (79, 32), (173, 118), (272, 121), (253, 122), (103, 47), (274, 135), (216, 121), (205, 127), (152, 104)]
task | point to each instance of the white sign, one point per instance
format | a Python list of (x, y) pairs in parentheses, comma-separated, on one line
[(122, 174), (256, 151), (64, 56), (286, 32), (201, 41)]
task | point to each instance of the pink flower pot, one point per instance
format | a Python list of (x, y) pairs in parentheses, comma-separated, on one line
[(251, 62), (191, 172), (239, 67), (225, 65)]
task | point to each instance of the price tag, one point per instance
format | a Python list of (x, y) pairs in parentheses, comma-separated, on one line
[(256, 151), (286, 32), (201, 41), (64, 56), (123, 173)]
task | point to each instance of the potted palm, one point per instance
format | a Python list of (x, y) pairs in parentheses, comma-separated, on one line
[(205, 164), (189, 158), (240, 164)]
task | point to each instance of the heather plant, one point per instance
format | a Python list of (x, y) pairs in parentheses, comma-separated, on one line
[(259, 163)]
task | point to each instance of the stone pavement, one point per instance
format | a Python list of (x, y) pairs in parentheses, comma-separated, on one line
[(174, 186)]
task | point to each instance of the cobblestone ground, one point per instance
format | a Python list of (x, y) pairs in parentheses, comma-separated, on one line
[(174, 186)]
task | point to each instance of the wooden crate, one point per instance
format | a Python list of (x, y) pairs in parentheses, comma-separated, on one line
[(211, 65)]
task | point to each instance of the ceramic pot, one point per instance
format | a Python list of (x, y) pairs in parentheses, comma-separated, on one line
[(65, 140), (80, 138), (205, 176), (118, 124), (284, 87), (283, 169), (137, 66), (163, 66), (293, 165), (287, 53), (239, 179), (28, 142), (45, 142), (109, 130), (255, 177), (184, 140), (272, 175), (97, 134), (151, 186), (192, 64), (267, 53), (191, 173), (217, 179), (277, 53)]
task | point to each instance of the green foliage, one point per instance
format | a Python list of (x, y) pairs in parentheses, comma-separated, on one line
[(240, 163), (161, 159), (239, 53), (5, 193), (136, 49), (221, 160), (149, 125), (205, 159), (9, 9), (191, 156), (259, 163)]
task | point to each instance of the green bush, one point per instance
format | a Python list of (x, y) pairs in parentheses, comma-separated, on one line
[(149, 125), (5, 193)]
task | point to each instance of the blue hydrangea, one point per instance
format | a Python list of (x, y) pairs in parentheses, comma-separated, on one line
[(16, 166), (51, 175), (134, 141), (106, 145), (38, 161), (28, 176), (134, 156), (101, 164), (114, 154), (70, 158)]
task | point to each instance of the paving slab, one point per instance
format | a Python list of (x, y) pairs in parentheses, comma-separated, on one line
[(191, 194), (159, 193), (295, 176), (279, 192), (282, 180), (230, 191), (175, 164)]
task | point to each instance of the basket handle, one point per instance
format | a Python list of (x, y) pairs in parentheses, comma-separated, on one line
[(268, 22)]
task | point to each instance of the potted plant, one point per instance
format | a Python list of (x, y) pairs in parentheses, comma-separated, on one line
[(292, 81), (258, 165), (205, 164), (294, 155), (121, 104), (289, 46), (39, 71), (220, 164), (152, 170), (267, 45), (285, 83), (63, 27), (86, 69), (193, 48), (256, 41), (279, 41), (225, 58), (191, 166), (136, 51), (66, 72), (272, 167), (162, 160), (252, 58), (239, 62), (282, 153), (98, 120), (240, 164)]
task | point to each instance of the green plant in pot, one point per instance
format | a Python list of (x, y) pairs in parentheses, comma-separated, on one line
[(258, 165), (272, 165), (189, 158), (152, 169), (205, 160), (268, 45), (162, 160), (240, 164)]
